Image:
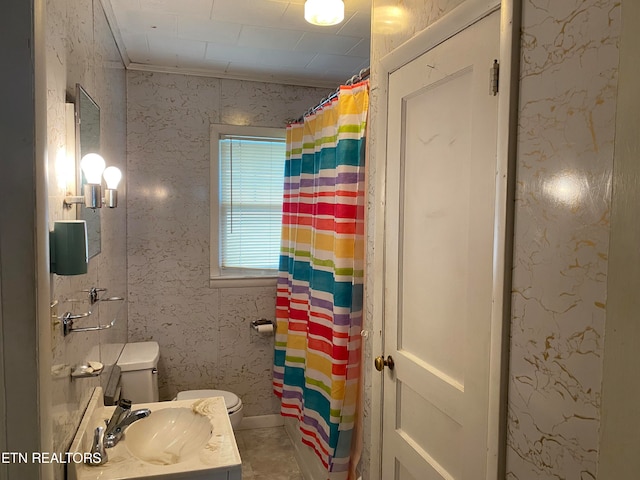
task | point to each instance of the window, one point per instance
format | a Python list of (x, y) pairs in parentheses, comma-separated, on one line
[(247, 177)]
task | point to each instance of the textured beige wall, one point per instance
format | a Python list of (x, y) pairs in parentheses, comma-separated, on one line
[(204, 333), (81, 49)]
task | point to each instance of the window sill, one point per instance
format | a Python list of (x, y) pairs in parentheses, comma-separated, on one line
[(230, 282)]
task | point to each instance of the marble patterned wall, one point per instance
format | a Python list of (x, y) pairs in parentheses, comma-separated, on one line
[(566, 130), (566, 133), (81, 49), (204, 333)]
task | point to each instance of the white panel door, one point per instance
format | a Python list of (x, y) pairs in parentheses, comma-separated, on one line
[(441, 181)]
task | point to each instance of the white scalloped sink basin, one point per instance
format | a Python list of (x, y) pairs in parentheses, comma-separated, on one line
[(168, 436), (182, 439)]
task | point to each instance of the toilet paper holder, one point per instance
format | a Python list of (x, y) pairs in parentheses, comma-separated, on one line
[(261, 322)]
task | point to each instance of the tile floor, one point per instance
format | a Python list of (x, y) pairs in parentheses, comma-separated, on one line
[(267, 454)]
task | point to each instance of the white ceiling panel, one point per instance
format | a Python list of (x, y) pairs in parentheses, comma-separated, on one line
[(357, 25), (335, 63), (177, 46), (196, 8), (322, 43), (279, 58), (137, 21), (118, 5), (220, 53), (137, 46), (205, 30), (294, 2), (199, 65), (264, 40), (275, 58), (243, 70), (166, 59), (275, 38), (357, 5), (360, 50), (249, 12), (270, 75)]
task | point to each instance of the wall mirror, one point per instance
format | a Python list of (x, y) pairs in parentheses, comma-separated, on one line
[(87, 117)]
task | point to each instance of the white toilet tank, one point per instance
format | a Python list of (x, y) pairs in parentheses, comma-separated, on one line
[(138, 364)]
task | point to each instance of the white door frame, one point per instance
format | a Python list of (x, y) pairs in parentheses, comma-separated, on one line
[(457, 20)]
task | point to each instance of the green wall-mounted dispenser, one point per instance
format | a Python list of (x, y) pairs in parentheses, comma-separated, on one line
[(68, 247)]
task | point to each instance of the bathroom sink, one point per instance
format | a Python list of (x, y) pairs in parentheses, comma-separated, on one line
[(183, 439), (168, 436)]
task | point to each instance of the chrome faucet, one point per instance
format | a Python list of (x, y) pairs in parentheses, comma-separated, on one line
[(98, 453), (122, 417), (123, 409)]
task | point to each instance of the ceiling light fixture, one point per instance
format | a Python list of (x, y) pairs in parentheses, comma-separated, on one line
[(324, 12)]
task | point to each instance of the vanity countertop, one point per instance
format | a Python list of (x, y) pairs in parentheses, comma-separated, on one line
[(219, 459)]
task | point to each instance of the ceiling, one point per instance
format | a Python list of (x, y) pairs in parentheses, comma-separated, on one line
[(265, 40)]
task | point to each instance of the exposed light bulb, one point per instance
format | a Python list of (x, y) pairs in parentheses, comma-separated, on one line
[(92, 166), (112, 177), (324, 12)]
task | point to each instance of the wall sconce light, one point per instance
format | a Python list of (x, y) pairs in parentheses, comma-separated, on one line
[(324, 12), (112, 177), (92, 166)]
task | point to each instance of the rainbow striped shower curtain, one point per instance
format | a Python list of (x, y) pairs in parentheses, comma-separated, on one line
[(320, 284)]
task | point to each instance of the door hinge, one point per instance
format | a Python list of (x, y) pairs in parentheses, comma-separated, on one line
[(494, 75)]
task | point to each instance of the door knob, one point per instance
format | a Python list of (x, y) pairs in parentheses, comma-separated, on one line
[(380, 363)]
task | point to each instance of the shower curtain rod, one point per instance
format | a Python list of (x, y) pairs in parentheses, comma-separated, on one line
[(361, 75)]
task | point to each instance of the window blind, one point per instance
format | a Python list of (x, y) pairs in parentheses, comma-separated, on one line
[(251, 189)]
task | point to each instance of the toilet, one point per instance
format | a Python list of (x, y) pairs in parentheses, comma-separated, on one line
[(138, 364)]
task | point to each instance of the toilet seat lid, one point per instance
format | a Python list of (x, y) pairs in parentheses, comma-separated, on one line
[(231, 400)]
